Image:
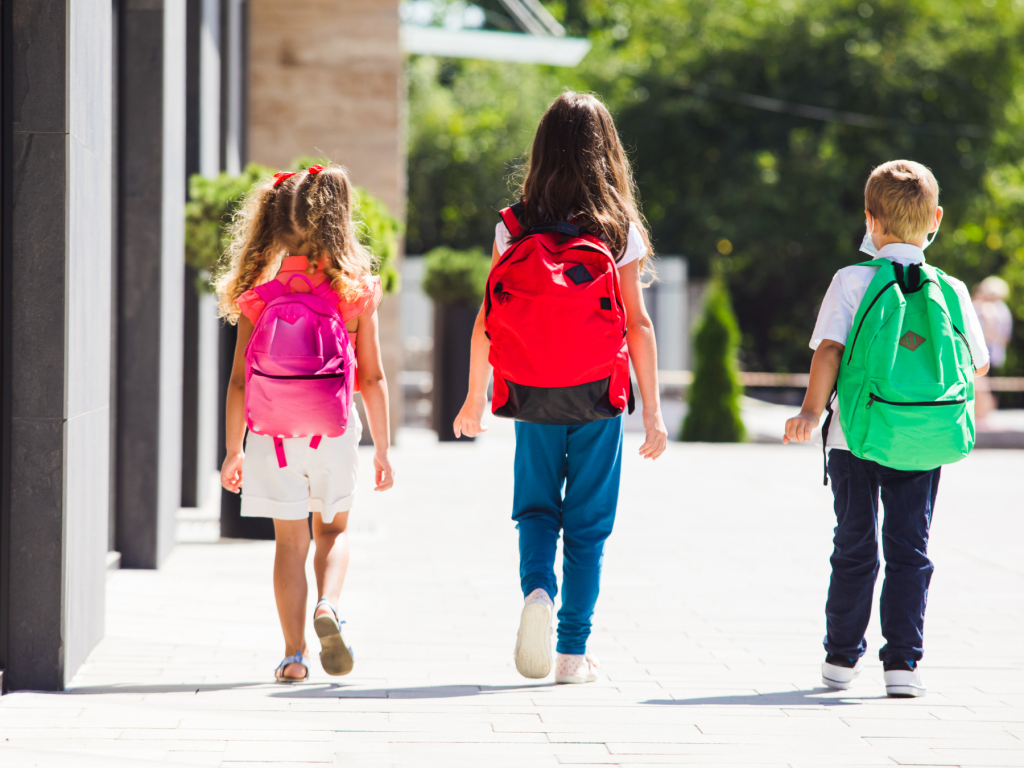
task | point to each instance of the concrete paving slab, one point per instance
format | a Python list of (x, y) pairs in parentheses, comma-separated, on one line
[(708, 628)]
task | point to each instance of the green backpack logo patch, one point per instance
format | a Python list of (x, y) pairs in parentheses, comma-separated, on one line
[(906, 381)]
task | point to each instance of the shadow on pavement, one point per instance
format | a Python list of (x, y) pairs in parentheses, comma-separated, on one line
[(183, 688), (340, 691), (780, 699)]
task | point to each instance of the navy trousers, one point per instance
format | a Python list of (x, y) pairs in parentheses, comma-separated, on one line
[(586, 461), (908, 499)]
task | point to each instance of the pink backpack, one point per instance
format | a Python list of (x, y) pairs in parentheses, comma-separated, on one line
[(299, 366)]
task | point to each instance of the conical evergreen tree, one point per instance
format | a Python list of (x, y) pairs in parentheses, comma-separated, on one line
[(714, 414)]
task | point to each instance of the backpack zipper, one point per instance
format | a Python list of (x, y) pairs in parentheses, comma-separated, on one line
[(966, 342), (300, 376), (863, 317), (873, 398)]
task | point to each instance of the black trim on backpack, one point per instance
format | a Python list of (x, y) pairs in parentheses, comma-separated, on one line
[(564, 406), (824, 428), (562, 227)]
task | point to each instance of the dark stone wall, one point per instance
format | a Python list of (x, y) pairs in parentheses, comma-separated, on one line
[(59, 337), (151, 132)]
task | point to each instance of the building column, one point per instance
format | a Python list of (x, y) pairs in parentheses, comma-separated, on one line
[(57, 226), (151, 134)]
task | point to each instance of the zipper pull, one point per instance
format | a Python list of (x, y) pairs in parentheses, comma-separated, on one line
[(871, 400)]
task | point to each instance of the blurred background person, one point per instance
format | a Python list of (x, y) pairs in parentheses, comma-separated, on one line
[(990, 297)]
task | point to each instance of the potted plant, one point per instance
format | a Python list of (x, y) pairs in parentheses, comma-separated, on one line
[(455, 281)]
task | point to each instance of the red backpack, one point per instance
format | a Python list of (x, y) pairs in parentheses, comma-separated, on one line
[(557, 325)]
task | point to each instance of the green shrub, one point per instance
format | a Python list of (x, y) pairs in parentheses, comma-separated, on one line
[(714, 414), (456, 277), (213, 201)]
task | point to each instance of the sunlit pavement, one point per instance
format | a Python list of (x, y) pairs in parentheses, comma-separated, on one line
[(708, 630)]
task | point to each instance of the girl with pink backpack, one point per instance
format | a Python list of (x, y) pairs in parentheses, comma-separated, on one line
[(302, 291)]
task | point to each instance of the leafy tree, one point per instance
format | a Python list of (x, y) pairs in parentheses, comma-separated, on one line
[(714, 401), (470, 125), (777, 193)]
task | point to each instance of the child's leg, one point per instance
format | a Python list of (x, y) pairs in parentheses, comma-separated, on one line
[(292, 538), (908, 499), (855, 553), (591, 495), (537, 502), (330, 559)]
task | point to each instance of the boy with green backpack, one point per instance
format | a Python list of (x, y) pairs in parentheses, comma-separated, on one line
[(897, 346)]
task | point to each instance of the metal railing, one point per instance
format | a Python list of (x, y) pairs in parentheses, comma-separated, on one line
[(685, 379)]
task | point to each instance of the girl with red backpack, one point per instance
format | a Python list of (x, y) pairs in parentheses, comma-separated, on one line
[(562, 317), (301, 289)]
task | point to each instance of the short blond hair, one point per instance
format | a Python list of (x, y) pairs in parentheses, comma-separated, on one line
[(903, 196)]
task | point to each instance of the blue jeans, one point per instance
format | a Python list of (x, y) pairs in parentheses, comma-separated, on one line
[(908, 498), (587, 461)]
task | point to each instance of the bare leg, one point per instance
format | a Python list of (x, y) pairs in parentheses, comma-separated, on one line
[(330, 561), (290, 588)]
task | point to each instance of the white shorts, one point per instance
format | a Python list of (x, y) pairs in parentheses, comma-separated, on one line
[(316, 480)]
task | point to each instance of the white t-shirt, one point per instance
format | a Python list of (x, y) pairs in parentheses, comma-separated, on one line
[(842, 300), (635, 248)]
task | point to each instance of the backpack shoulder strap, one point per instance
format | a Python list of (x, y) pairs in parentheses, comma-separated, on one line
[(510, 216), (274, 289)]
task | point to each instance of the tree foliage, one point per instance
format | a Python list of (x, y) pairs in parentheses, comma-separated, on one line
[(213, 201), (711, 99), (714, 399), (470, 125), (456, 277)]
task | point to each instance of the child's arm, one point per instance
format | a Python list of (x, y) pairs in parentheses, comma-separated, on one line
[(231, 470), (643, 351), (824, 372), (374, 389), (468, 422)]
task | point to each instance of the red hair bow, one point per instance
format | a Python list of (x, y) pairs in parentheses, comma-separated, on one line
[(281, 176), (313, 170)]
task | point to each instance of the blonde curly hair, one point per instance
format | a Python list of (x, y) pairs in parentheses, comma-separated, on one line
[(313, 207)]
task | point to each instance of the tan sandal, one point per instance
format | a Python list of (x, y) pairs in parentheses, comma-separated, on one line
[(335, 657)]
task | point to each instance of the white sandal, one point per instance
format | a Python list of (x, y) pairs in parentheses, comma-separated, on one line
[(298, 658), (335, 657)]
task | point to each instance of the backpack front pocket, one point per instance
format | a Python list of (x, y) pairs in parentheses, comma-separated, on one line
[(918, 427)]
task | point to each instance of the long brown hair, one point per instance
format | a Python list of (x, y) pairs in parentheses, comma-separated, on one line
[(579, 169), (322, 216), (255, 248)]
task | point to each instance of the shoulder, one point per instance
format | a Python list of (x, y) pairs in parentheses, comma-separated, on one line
[(368, 296), (635, 247), (251, 305)]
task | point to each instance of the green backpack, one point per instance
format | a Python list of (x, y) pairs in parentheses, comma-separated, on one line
[(906, 381)]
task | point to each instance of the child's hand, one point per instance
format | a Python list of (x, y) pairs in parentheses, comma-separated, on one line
[(468, 421), (231, 472), (800, 427), (385, 474), (657, 435)]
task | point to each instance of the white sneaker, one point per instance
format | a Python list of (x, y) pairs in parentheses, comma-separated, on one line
[(533, 643), (905, 681), (575, 668), (838, 676)]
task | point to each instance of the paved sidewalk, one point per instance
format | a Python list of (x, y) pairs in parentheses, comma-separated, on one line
[(708, 628)]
